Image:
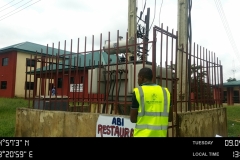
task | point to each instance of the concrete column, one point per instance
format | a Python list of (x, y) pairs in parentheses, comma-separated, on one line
[(239, 95), (132, 24), (181, 57), (228, 96), (217, 95), (231, 96)]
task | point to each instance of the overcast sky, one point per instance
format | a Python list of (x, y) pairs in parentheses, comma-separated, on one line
[(52, 21)]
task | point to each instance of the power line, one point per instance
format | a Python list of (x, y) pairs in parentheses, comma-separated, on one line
[(226, 27), (159, 19), (160, 12), (20, 10), (12, 5), (141, 13), (144, 6), (154, 16), (16, 8), (7, 4), (229, 31)]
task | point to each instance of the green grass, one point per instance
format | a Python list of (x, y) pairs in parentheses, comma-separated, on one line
[(8, 115), (233, 120)]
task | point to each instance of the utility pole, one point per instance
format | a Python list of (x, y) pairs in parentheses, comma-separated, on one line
[(182, 62), (132, 25), (147, 18)]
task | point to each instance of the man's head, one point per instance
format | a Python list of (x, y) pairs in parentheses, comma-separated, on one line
[(145, 75)]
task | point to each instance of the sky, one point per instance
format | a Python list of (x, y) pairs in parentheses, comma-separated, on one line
[(53, 21)]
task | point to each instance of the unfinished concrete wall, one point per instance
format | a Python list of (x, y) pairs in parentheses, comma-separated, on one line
[(45, 123), (206, 123)]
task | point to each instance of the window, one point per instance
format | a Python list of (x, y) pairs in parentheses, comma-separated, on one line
[(29, 85), (75, 62), (30, 62), (3, 84), (59, 83), (81, 79), (4, 61), (72, 80)]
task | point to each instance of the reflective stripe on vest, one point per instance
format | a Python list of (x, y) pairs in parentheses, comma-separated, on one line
[(151, 127), (160, 114)]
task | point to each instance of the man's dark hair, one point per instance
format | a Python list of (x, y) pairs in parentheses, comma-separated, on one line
[(146, 73)]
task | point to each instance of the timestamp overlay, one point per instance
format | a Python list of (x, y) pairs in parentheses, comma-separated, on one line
[(15, 148), (216, 147), (194, 147)]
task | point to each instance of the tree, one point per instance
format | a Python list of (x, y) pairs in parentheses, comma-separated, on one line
[(200, 86), (230, 79)]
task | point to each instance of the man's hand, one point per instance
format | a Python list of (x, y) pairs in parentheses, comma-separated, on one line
[(133, 115)]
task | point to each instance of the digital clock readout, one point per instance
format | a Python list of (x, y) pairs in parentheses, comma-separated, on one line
[(232, 143)]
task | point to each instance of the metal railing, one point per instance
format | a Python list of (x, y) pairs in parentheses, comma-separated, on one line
[(102, 80)]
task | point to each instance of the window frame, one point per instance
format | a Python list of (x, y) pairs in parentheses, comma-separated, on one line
[(27, 85), (59, 83), (5, 61), (1, 87), (30, 62), (82, 79), (71, 80)]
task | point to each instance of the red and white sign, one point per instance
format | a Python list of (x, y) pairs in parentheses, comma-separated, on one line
[(114, 126)]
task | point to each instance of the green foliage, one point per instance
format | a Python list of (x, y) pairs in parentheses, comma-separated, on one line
[(203, 92), (233, 120), (231, 79), (8, 108)]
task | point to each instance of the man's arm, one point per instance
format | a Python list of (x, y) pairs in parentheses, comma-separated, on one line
[(134, 109)]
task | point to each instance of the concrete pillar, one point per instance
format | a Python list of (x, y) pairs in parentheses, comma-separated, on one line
[(239, 95), (181, 56), (132, 24), (228, 96), (231, 96), (217, 95)]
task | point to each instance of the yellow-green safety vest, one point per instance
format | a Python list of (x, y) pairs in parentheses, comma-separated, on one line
[(153, 111)]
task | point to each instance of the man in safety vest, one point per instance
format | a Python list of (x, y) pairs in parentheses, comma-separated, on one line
[(150, 107)]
